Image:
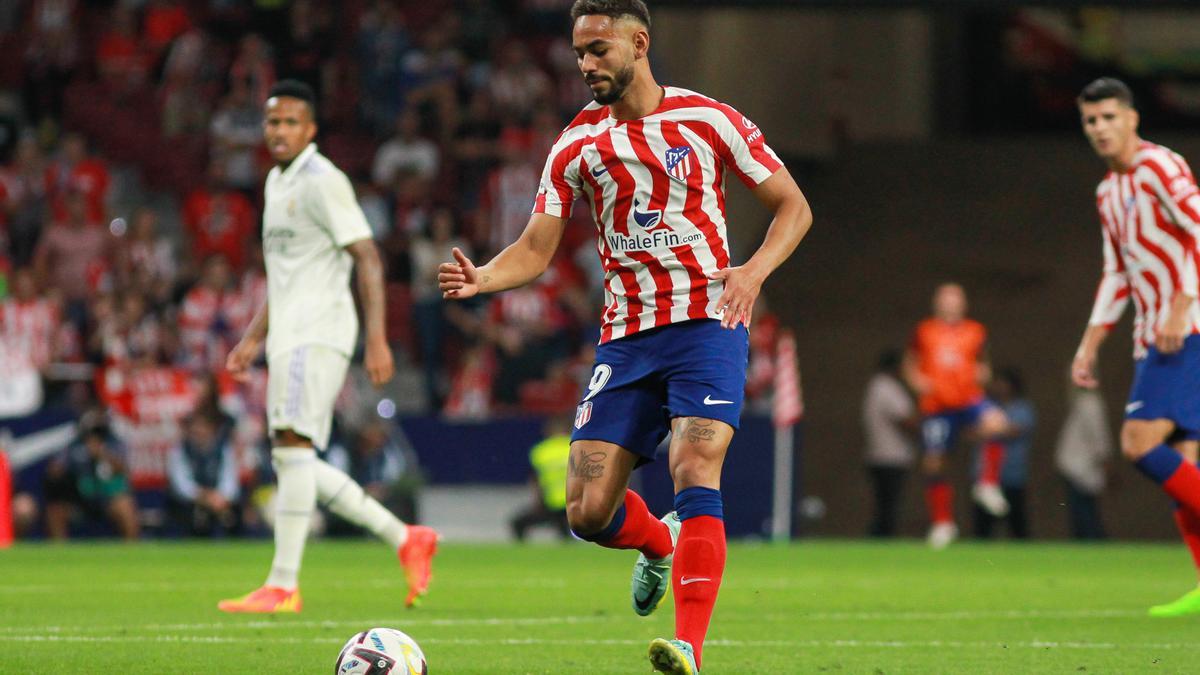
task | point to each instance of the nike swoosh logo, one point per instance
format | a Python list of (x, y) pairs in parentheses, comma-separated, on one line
[(709, 400), (599, 171), (691, 580), (1134, 406)]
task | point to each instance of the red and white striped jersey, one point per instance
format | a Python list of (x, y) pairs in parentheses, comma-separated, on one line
[(656, 187), (1151, 219)]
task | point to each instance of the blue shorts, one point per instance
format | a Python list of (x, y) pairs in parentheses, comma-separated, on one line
[(639, 383), (940, 431), (1167, 386)]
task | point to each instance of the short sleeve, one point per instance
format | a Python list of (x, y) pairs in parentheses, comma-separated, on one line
[(560, 184), (748, 155), (337, 210)]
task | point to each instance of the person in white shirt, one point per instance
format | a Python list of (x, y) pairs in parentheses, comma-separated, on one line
[(314, 233), (890, 424), (1085, 445)]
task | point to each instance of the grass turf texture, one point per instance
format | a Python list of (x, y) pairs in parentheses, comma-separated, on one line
[(811, 607)]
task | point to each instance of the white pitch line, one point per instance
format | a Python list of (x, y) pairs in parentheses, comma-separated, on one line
[(519, 642), (174, 586), (966, 614), (286, 624)]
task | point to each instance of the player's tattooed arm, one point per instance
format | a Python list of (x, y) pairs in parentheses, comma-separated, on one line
[(586, 467)]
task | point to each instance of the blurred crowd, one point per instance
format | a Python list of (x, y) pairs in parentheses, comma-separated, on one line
[(131, 171)]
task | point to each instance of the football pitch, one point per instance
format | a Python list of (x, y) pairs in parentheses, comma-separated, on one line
[(806, 608)]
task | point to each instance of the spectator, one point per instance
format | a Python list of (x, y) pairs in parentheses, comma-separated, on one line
[(208, 317), (147, 258), (516, 83), (305, 53), (202, 473), (30, 321), (219, 220), (29, 325), (525, 326), (78, 171), (429, 75), (504, 205), (386, 470), (72, 256), (236, 133), (428, 308), (382, 44), (254, 67), (890, 426), (90, 479), (406, 152), (548, 458), (126, 329), (164, 20), (24, 196), (1085, 444), (51, 56), (119, 57), (1007, 390), (476, 148)]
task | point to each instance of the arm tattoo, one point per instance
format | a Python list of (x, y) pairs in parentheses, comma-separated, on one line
[(587, 467), (698, 429), (487, 279)]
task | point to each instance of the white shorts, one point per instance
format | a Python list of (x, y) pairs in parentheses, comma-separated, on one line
[(302, 386)]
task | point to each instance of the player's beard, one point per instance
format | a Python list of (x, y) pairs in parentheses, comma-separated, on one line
[(620, 82)]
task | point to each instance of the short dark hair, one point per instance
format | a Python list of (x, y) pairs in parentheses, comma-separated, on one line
[(616, 9), (1104, 88), (294, 89)]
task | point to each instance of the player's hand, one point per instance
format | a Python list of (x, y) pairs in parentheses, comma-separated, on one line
[(458, 280), (378, 361), (1173, 332), (240, 357), (741, 290), (1083, 371)]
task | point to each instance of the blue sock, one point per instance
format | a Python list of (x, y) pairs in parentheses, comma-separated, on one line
[(1160, 463), (609, 531), (699, 501)]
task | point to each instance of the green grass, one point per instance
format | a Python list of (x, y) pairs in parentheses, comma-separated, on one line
[(808, 608)]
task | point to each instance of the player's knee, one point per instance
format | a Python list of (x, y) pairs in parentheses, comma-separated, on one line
[(1137, 439), (696, 471), (587, 517)]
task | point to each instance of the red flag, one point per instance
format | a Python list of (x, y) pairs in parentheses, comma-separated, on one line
[(789, 402), (6, 522)]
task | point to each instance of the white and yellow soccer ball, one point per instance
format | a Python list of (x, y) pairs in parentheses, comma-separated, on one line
[(381, 651)]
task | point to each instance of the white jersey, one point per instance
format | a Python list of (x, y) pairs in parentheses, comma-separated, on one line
[(311, 215)]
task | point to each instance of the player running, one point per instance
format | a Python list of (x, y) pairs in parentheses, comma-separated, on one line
[(650, 162), (947, 366), (1149, 212), (313, 233)]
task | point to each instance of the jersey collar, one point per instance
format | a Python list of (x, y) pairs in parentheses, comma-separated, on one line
[(289, 174)]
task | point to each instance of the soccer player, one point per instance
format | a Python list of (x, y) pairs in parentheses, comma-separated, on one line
[(1149, 212), (946, 365), (313, 234), (650, 161)]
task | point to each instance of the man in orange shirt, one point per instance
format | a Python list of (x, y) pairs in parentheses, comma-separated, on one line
[(946, 365)]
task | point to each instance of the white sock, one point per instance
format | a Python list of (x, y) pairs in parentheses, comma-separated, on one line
[(294, 502), (346, 498)]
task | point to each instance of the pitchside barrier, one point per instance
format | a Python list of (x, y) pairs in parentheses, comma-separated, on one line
[(495, 452)]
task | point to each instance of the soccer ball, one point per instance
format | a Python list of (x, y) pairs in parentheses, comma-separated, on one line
[(381, 651)]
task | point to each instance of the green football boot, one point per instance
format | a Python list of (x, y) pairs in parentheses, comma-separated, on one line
[(652, 578), (673, 656), (1187, 605)]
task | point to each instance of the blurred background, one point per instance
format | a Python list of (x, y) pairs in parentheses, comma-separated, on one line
[(936, 142)]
